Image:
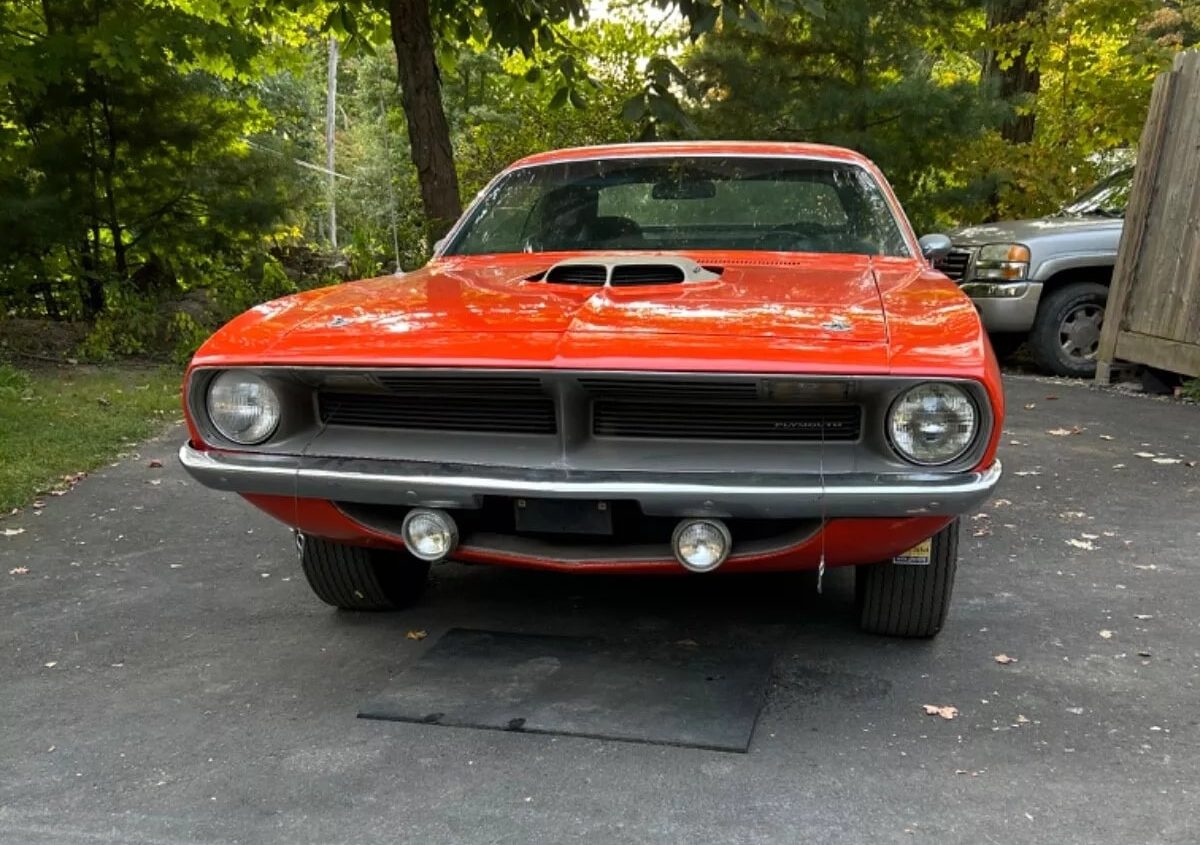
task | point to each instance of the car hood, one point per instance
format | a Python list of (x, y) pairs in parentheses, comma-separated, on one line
[(1024, 231), (826, 297)]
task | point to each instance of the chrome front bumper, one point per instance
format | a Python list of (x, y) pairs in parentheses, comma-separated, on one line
[(1005, 306), (431, 484)]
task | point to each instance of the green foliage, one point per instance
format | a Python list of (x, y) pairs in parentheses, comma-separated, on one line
[(13, 382), (138, 149)]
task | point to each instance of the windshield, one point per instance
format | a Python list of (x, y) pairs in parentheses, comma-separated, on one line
[(683, 202), (1107, 198)]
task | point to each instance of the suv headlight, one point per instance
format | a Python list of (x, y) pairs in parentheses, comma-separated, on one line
[(1007, 262), (242, 407), (933, 423)]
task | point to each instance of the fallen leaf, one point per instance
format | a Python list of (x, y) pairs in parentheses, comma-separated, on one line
[(1145, 566), (1001, 503), (13, 532), (1143, 616), (1167, 461), (155, 463), (154, 481), (690, 643), (1029, 406), (944, 710), (1022, 720), (1051, 398), (1086, 545), (1004, 659), (1118, 466), (1025, 472), (417, 635), (1065, 432), (1143, 654), (1144, 455), (1106, 634), (1107, 437), (1090, 536), (19, 570), (51, 664)]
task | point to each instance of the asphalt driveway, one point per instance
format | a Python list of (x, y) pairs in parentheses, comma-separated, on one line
[(167, 677)]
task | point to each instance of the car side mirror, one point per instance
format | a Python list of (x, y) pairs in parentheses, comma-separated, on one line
[(934, 247)]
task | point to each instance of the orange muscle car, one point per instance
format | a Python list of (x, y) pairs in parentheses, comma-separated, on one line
[(641, 358)]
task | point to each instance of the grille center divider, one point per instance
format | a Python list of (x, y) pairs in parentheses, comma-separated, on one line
[(616, 407)]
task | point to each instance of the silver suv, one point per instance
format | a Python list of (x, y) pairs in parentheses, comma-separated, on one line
[(1045, 281)]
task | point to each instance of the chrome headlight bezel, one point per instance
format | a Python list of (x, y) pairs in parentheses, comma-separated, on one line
[(232, 392), (962, 447)]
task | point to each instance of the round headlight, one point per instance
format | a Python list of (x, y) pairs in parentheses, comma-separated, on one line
[(933, 423), (242, 407)]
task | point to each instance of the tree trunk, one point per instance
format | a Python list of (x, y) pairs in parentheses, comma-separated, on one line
[(1019, 82), (421, 96)]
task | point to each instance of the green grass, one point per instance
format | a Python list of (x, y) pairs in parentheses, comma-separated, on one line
[(56, 421)]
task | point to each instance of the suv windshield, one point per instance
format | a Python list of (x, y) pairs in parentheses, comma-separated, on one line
[(683, 202), (1106, 198)]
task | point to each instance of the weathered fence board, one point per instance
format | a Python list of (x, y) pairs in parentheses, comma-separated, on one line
[(1153, 311)]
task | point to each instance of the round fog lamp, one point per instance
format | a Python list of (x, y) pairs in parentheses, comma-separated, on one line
[(242, 407), (701, 545), (429, 534)]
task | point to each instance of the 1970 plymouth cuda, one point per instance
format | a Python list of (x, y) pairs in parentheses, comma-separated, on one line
[(627, 359)]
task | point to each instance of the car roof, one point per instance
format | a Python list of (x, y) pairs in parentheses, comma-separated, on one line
[(766, 149)]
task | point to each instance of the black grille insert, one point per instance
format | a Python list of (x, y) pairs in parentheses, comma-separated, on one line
[(703, 420), (435, 410), (954, 263), (670, 389)]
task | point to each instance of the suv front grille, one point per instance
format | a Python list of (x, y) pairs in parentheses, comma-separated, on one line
[(955, 263)]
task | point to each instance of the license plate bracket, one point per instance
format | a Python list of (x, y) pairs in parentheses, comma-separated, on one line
[(563, 516)]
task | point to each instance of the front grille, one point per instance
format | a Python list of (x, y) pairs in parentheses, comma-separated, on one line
[(954, 263), (435, 410), (730, 408), (704, 420)]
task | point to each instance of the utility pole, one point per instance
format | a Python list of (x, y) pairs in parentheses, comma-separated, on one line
[(330, 124)]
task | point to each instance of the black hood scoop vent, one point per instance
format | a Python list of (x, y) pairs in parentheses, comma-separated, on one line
[(627, 271)]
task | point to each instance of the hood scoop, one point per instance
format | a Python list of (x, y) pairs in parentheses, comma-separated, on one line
[(627, 271)]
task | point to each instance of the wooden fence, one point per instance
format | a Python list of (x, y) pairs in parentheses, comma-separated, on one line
[(1153, 311)]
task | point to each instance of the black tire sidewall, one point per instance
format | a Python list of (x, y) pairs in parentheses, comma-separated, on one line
[(1043, 340)]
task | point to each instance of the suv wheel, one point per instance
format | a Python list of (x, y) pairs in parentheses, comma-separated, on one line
[(1066, 333), (903, 600), (358, 578)]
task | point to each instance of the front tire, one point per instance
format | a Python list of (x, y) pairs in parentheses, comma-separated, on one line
[(1066, 332), (358, 578), (903, 600)]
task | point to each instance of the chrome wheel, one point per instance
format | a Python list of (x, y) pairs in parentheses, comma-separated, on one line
[(1079, 331)]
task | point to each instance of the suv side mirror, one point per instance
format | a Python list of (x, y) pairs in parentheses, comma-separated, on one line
[(934, 247)]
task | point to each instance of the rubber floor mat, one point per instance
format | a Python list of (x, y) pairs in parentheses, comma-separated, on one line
[(663, 693)]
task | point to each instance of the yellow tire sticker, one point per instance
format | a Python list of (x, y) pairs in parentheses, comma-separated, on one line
[(918, 555)]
